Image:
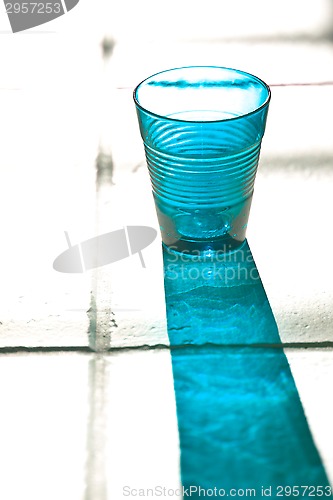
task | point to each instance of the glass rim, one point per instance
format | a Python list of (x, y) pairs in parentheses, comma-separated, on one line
[(262, 83)]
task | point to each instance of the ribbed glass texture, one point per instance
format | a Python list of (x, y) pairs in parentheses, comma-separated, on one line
[(202, 129)]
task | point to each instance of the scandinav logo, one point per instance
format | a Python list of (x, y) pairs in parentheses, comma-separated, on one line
[(24, 15), (105, 249)]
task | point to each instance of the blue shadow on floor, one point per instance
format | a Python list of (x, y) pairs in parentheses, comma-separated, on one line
[(241, 424)]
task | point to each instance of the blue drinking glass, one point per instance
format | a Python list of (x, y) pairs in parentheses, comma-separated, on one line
[(202, 128)]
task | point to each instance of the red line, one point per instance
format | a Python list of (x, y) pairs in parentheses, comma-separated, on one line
[(308, 84)]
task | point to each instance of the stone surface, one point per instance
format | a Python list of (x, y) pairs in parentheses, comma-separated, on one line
[(85, 419)]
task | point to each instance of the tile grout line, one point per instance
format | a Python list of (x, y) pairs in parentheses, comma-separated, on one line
[(146, 347), (96, 477)]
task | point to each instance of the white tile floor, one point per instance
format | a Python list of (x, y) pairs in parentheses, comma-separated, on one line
[(55, 106)]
